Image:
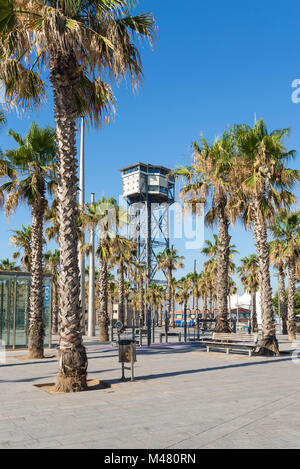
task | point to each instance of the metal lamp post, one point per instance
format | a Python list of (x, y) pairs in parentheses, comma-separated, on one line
[(279, 308), (81, 256), (91, 306)]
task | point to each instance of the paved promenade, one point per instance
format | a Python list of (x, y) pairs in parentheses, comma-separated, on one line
[(182, 398)]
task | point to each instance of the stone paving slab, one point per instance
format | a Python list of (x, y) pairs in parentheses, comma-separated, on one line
[(182, 398)]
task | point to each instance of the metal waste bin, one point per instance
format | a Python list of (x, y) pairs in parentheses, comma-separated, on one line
[(127, 354), (127, 351)]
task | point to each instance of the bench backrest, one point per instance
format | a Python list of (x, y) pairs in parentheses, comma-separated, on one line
[(224, 337)]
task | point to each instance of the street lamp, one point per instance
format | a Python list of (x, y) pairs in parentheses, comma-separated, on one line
[(279, 307), (81, 255), (91, 307)]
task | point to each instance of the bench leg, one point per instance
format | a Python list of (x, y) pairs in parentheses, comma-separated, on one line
[(227, 351), (207, 348), (250, 353), (160, 338)]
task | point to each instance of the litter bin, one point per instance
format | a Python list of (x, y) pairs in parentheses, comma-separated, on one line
[(127, 354)]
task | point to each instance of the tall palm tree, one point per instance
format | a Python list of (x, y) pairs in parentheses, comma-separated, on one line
[(7, 264), (195, 279), (211, 250), (249, 274), (141, 270), (277, 259), (52, 261), (232, 291), (263, 184), (184, 290), (122, 250), (211, 180), (112, 291), (34, 160), (161, 299), (127, 297), (153, 296), (21, 239), (105, 217), (286, 229), (168, 261), (78, 42)]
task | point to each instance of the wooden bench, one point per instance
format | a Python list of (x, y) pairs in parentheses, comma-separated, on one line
[(170, 334), (232, 342)]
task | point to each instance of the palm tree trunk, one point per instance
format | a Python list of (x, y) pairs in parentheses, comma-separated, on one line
[(169, 296), (282, 299), (253, 310), (126, 308), (121, 316), (204, 306), (210, 298), (72, 355), (292, 326), (36, 326), (160, 314), (222, 323), (141, 303), (103, 317), (268, 344)]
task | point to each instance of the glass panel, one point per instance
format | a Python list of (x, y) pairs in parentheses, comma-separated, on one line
[(22, 312), (6, 320), (20, 301), (46, 313)]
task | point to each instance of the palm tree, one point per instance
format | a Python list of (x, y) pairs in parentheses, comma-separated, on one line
[(161, 299), (195, 279), (184, 290), (127, 295), (232, 291), (112, 291), (262, 184), (169, 261), (277, 259), (122, 250), (153, 296), (105, 217), (249, 274), (76, 41), (173, 307), (141, 270), (211, 180), (21, 239), (52, 261), (211, 250), (6, 264), (34, 160), (286, 229)]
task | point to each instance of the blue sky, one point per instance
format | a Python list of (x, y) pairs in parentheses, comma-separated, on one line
[(214, 64)]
